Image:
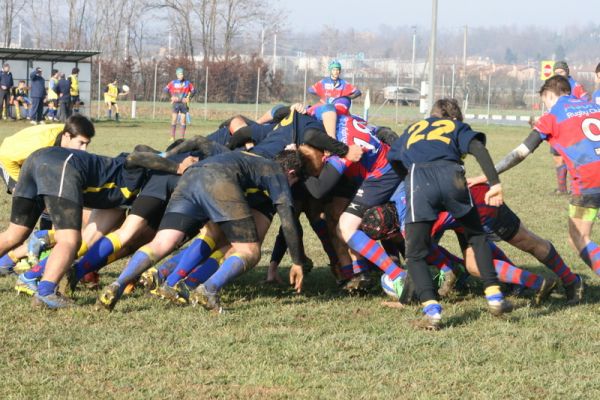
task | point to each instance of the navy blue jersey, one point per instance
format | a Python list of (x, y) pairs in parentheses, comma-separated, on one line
[(106, 177), (260, 132), (220, 136), (290, 130), (433, 139), (252, 172)]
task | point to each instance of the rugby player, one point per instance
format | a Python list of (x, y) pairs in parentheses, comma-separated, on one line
[(181, 91), (429, 154)]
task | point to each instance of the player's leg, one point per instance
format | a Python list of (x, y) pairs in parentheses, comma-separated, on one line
[(24, 214), (174, 116), (116, 112), (182, 122), (66, 215)]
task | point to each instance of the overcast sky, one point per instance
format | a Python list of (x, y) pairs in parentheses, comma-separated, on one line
[(366, 14)]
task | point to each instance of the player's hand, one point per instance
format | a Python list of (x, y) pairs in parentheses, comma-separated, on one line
[(174, 99), (532, 121), (296, 277), (186, 100), (185, 164), (298, 107), (354, 153), (476, 180), (493, 197)]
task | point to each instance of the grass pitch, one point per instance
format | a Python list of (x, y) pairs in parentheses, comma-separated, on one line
[(321, 344)]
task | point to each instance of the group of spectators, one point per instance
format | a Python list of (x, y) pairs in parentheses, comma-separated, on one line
[(61, 96)]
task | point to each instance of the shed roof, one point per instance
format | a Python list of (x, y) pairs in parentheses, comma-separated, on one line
[(45, 54)]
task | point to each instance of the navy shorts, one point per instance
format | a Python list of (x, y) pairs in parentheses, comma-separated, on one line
[(48, 173), (374, 191), (160, 185), (180, 108), (209, 193), (434, 187)]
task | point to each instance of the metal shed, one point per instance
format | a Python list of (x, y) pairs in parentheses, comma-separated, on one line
[(23, 61)]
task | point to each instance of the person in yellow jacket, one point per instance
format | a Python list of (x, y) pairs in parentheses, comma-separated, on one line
[(74, 79), (15, 149), (111, 94)]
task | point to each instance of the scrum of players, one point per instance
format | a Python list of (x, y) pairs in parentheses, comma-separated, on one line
[(192, 217)]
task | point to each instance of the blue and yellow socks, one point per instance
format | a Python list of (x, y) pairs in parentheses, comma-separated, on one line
[(98, 255), (142, 260), (202, 272), (232, 267)]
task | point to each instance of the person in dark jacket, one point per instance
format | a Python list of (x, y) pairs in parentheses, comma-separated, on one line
[(37, 94), (6, 84), (63, 89)]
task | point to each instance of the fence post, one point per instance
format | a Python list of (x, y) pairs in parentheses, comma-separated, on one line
[(206, 94), (99, 84), (257, 93), (489, 98), (154, 96)]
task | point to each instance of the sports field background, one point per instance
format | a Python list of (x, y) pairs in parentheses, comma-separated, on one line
[(317, 345)]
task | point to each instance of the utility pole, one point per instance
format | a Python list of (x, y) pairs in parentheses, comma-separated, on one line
[(465, 58), (262, 43), (414, 49), (274, 53), (432, 45)]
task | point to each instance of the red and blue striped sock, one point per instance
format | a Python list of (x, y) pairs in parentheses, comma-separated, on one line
[(360, 266), (438, 259), (372, 251), (202, 272), (168, 266), (591, 256), (508, 273), (453, 259), (561, 178), (195, 254), (232, 267), (555, 262), (346, 271)]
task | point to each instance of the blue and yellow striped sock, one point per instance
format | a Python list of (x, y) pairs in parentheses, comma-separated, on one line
[(233, 266), (142, 260), (493, 294), (195, 254), (168, 266), (98, 255)]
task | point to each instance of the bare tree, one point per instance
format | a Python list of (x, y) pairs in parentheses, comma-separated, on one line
[(9, 9)]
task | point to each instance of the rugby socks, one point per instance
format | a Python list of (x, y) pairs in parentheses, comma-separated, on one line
[(232, 267), (360, 266), (508, 273), (8, 260), (117, 117), (168, 266), (142, 260), (372, 251), (202, 272), (561, 178), (498, 254), (320, 228), (346, 271), (173, 130), (555, 262), (98, 255), (432, 308), (196, 253), (591, 256), (109, 114), (493, 294), (183, 128), (438, 259), (451, 257), (37, 270), (46, 288)]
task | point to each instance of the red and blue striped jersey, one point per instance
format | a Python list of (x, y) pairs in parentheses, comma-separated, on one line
[(180, 89), (328, 89), (577, 89), (572, 128)]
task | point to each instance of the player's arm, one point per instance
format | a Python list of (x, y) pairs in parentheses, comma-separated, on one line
[(151, 161), (240, 138), (494, 196), (329, 176), (291, 232), (513, 158), (322, 141), (198, 144), (356, 93)]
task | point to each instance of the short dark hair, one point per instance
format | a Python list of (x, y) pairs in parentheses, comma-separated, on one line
[(290, 160), (75, 70), (557, 84), (54, 72), (598, 68), (78, 125), (447, 108)]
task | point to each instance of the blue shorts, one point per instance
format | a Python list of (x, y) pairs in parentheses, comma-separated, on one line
[(160, 185), (434, 187), (374, 191), (180, 108)]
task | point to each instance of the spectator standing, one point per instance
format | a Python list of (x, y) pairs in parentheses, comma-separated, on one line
[(37, 94), (63, 89), (6, 84), (74, 81)]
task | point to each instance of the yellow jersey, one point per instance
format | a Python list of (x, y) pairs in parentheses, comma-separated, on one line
[(15, 149), (111, 94), (74, 85)]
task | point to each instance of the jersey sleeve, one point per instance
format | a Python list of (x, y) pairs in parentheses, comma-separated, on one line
[(466, 135), (545, 125), (580, 93)]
